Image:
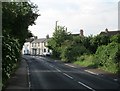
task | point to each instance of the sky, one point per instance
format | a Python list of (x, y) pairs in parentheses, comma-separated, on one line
[(93, 16)]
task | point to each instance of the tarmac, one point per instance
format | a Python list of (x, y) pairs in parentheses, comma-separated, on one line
[(19, 81)]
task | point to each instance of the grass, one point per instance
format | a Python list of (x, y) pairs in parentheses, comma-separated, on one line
[(83, 63), (88, 61), (85, 60)]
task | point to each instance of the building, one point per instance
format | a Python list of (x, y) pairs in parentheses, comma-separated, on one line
[(79, 34), (36, 46), (39, 46), (109, 33), (27, 47)]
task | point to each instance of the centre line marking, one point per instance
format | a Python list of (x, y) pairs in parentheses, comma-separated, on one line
[(86, 86), (58, 70), (68, 75), (51, 66)]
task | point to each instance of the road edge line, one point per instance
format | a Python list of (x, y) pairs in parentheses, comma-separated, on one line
[(70, 65), (91, 72)]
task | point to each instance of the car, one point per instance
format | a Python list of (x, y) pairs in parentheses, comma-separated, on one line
[(46, 54)]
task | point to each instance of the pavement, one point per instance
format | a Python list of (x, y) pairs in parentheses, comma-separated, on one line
[(19, 80)]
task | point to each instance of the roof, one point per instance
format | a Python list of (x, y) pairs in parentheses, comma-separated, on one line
[(29, 40), (41, 40), (75, 34), (110, 33)]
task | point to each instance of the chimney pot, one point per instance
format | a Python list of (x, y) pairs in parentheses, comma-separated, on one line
[(106, 30), (81, 32)]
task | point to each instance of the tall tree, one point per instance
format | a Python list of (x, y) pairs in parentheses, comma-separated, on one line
[(17, 16), (59, 36)]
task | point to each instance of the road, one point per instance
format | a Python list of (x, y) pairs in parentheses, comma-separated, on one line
[(45, 73)]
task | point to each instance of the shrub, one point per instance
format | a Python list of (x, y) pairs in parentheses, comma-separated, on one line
[(107, 57), (85, 60), (70, 53), (10, 55)]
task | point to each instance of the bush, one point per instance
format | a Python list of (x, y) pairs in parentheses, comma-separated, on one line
[(107, 57), (10, 55), (70, 53), (85, 60)]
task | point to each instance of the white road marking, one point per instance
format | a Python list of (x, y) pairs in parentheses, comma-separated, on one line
[(70, 65), (86, 86), (115, 79), (51, 65), (91, 72), (58, 70), (68, 75), (29, 84)]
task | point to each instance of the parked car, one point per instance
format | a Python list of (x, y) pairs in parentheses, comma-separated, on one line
[(46, 54)]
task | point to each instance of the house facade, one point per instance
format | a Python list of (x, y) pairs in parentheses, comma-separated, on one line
[(27, 47), (39, 47), (36, 47)]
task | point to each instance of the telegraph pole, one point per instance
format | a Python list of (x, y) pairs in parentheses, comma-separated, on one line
[(56, 25)]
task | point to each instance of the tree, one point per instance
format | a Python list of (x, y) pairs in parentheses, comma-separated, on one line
[(115, 38), (59, 36), (98, 41), (16, 17)]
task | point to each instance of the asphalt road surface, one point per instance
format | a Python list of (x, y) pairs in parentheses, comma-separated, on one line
[(50, 74)]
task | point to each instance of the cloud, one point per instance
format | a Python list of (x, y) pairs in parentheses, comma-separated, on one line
[(92, 16)]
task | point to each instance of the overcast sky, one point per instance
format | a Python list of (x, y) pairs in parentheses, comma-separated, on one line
[(93, 16)]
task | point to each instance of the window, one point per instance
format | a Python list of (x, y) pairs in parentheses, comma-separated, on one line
[(44, 50), (48, 50)]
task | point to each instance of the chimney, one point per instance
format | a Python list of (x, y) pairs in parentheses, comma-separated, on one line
[(47, 36), (106, 30), (81, 33)]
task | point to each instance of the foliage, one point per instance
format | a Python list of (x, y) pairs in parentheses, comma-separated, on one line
[(16, 17), (108, 57), (85, 60), (99, 51), (11, 52), (115, 38), (59, 36), (70, 53), (97, 41)]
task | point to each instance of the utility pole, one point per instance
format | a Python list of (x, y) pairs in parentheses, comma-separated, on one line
[(56, 25)]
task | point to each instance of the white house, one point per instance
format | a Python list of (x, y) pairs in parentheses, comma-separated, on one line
[(27, 47), (39, 47), (34, 46)]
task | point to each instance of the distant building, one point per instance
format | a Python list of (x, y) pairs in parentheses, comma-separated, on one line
[(36, 46), (39, 46), (27, 46), (79, 34), (109, 33)]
